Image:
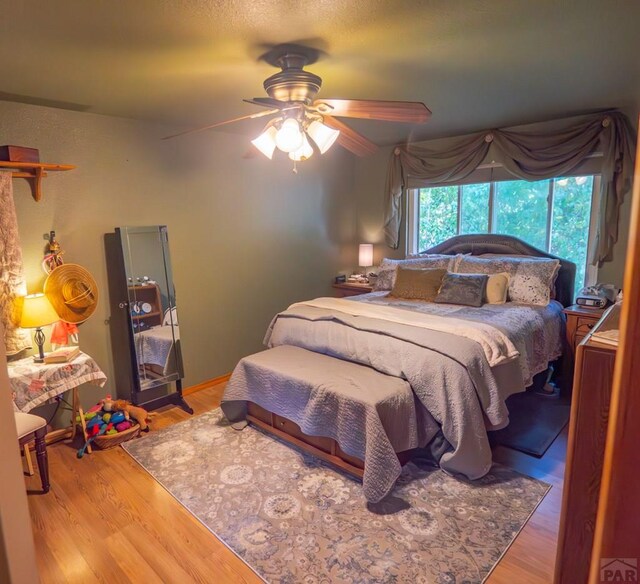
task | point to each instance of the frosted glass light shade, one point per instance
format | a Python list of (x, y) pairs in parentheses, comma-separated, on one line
[(266, 142), (304, 152), (37, 311), (322, 135), (289, 137), (365, 255)]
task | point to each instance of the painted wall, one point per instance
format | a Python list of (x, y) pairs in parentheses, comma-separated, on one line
[(370, 177), (247, 237)]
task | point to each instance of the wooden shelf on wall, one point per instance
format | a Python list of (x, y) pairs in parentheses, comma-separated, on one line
[(35, 171)]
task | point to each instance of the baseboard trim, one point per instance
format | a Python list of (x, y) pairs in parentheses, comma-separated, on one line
[(206, 384)]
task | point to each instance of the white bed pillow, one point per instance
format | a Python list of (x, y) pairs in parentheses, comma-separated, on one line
[(530, 280), (387, 271)]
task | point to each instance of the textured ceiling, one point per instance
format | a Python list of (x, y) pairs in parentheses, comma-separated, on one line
[(475, 63)]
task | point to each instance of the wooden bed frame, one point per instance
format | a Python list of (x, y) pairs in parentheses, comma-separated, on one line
[(328, 449)]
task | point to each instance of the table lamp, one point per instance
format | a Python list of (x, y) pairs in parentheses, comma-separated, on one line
[(36, 313), (365, 256)]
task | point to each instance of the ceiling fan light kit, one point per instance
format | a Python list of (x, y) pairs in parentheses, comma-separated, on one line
[(304, 124), (296, 139)]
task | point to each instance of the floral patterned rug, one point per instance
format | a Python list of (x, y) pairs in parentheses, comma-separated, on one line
[(294, 519)]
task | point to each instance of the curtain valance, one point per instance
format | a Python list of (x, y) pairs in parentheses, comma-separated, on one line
[(530, 154)]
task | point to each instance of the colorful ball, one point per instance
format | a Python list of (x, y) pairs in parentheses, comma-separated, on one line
[(117, 417), (95, 421), (122, 426)]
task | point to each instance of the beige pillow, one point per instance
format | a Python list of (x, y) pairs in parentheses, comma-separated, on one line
[(497, 288), (417, 284)]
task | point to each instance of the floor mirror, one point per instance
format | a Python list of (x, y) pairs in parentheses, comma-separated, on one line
[(144, 321)]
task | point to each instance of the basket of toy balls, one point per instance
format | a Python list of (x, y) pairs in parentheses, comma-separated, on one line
[(110, 440), (110, 423)]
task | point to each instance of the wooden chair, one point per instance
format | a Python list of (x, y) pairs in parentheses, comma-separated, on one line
[(30, 428)]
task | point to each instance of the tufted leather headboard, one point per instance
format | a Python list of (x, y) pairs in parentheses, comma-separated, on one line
[(506, 244)]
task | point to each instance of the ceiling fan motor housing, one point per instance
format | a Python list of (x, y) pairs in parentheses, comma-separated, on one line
[(293, 83)]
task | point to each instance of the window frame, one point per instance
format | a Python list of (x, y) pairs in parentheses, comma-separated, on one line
[(413, 218)]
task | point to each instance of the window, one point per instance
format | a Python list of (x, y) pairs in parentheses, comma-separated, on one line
[(553, 215)]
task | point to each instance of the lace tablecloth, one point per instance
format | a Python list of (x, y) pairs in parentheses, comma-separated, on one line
[(32, 384)]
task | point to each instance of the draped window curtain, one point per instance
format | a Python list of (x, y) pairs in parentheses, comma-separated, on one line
[(533, 154)]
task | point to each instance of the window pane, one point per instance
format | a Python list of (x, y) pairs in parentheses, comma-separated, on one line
[(521, 210), (475, 209), (570, 223), (438, 218)]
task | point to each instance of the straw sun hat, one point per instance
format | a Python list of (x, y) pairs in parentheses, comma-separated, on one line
[(73, 292)]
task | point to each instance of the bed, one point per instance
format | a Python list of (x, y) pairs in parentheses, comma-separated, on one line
[(461, 364)]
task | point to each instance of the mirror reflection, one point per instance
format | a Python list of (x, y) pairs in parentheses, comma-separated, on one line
[(152, 306)]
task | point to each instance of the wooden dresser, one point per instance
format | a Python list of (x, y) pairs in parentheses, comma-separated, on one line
[(585, 453)]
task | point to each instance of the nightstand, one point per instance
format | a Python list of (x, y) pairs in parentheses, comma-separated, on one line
[(345, 289), (580, 321)]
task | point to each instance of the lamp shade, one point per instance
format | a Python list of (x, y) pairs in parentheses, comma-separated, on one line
[(37, 311), (266, 142), (304, 152), (322, 135), (365, 255), (289, 136)]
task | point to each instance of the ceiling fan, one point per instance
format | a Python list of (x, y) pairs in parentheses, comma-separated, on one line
[(301, 123)]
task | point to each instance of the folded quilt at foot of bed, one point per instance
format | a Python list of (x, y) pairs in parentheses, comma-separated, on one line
[(371, 415)]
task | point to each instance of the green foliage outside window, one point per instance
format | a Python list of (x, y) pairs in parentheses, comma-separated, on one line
[(475, 209), (521, 209), (438, 218), (570, 225)]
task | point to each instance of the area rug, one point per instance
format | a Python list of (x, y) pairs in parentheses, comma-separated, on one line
[(294, 519), (534, 422)]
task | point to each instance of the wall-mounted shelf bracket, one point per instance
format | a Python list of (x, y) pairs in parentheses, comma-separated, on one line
[(33, 171)]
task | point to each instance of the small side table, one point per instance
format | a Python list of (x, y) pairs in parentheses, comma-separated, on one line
[(345, 289), (33, 384)]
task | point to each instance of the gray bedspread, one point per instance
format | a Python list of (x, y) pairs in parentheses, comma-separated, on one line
[(458, 393)]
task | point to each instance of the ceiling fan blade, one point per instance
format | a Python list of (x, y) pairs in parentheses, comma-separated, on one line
[(350, 139), (267, 102), (414, 112), (209, 127)]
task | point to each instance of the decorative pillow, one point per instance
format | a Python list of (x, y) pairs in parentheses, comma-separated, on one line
[(518, 257), (530, 281), (467, 289), (387, 271), (497, 288), (417, 283)]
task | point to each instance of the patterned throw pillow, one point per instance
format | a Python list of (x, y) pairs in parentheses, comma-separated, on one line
[(417, 283), (466, 289), (387, 271), (530, 281)]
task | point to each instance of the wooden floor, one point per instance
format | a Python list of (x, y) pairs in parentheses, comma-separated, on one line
[(106, 520)]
